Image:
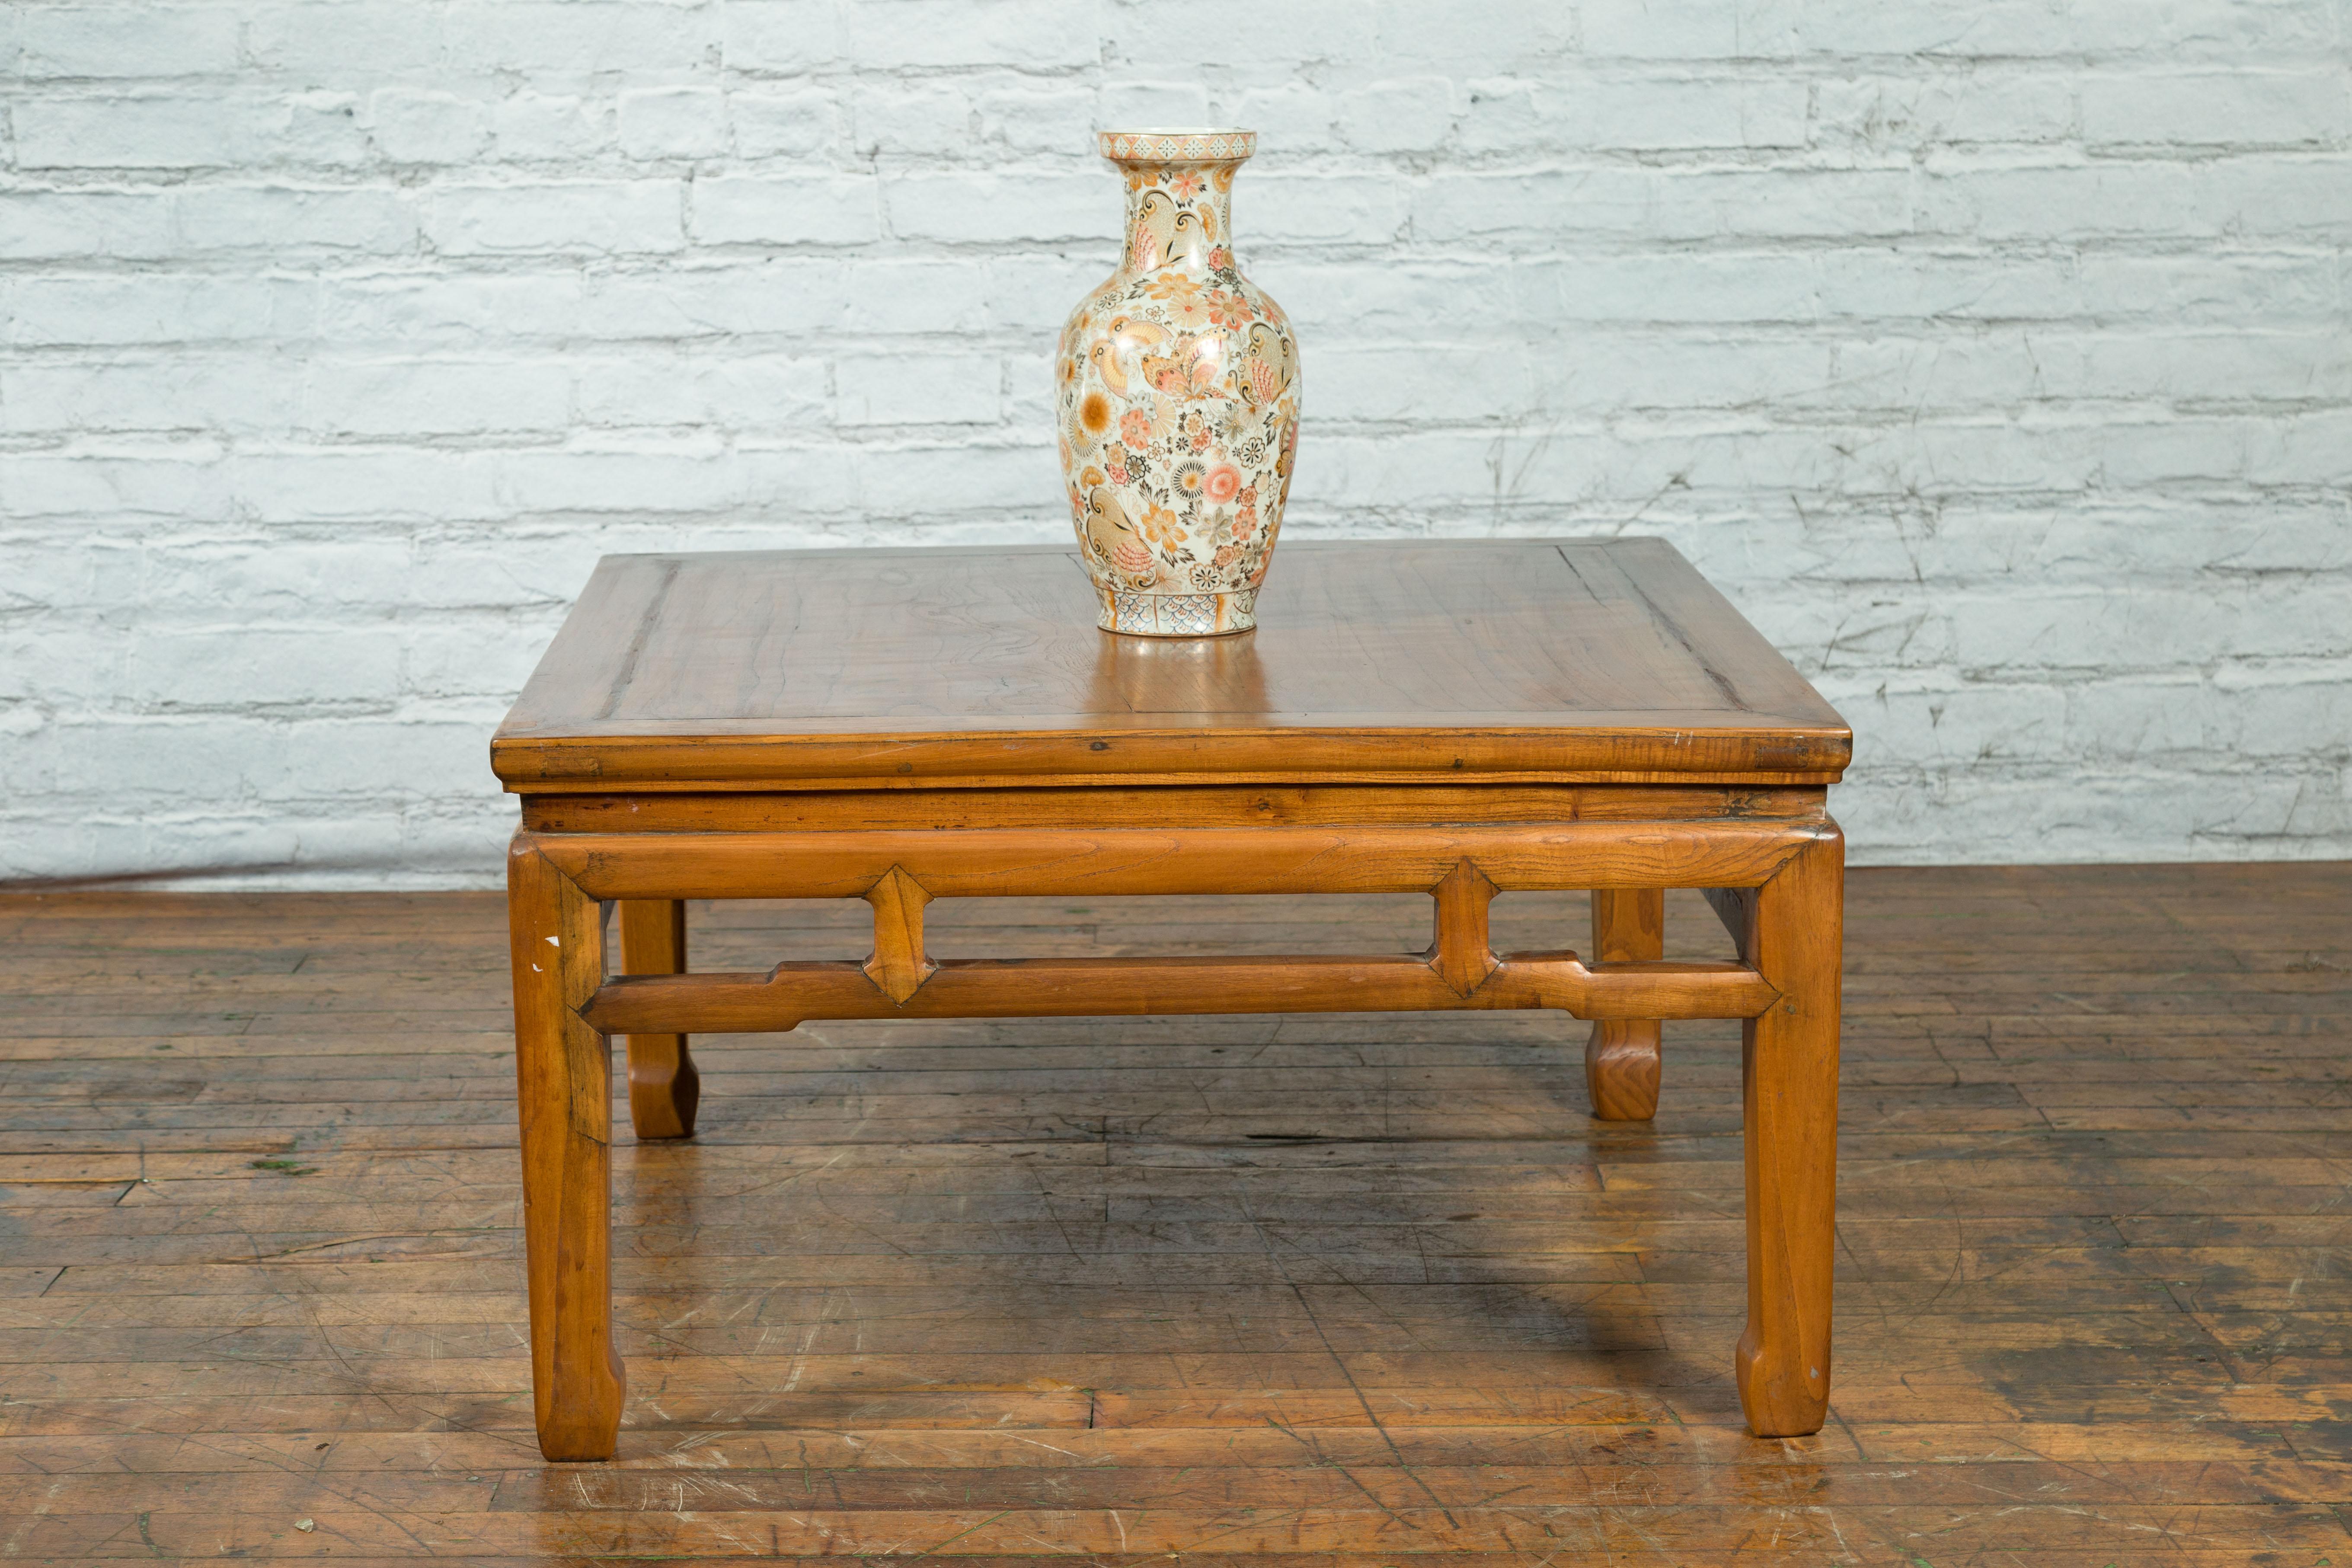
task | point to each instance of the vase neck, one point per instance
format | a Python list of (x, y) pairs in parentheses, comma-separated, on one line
[(1181, 216)]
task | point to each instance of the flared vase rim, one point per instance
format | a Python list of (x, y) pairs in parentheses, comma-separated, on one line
[(1211, 144)]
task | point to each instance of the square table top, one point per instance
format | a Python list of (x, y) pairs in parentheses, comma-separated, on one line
[(1393, 660)]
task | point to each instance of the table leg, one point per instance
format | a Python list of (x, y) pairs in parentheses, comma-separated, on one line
[(664, 1087), (1620, 1058), (1790, 1066), (564, 1074)]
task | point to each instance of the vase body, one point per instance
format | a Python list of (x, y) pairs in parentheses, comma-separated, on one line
[(1177, 401)]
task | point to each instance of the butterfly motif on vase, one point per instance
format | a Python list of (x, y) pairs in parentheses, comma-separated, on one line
[(1192, 366)]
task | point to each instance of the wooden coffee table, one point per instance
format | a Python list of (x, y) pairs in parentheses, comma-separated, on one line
[(1457, 719)]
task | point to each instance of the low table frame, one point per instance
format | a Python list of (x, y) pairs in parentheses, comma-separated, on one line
[(1776, 881), (1460, 718)]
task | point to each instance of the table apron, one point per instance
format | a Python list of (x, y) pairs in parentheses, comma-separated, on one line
[(1004, 862)]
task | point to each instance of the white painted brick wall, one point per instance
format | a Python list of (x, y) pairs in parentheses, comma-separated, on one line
[(1993, 358)]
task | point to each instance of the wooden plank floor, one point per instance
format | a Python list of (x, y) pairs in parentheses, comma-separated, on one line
[(1244, 1290)]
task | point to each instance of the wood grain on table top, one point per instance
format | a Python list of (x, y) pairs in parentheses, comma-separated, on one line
[(1517, 658)]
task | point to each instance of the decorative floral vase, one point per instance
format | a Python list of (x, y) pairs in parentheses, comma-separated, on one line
[(1179, 400)]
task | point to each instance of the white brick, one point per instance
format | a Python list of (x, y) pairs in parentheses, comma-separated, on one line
[(2314, 449), (1851, 204), (466, 658), (119, 40), (2222, 285), (238, 666), (1664, 113), (673, 123), (280, 218), (1058, 120), (1410, 114), (110, 760), (1658, 29), (177, 478), (2258, 196), (1473, 38), (1959, 724), (2134, 455), (537, 127), (803, 209), (2191, 366), (2235, 108), (1343, 37), (314, 42), (2100, 198), (1028, 296), (1278, 207), (688, 478), (323, 130), (407, 397), (780, 36), (1534, 210), (923, 480), (142, 133), (1420, 382), (412, 126), (352, 758), (294, 575), (1295, 117), (1034, 35), (1981, 106), (999, 209), (925, 116), (782, 124), (65, 226), (919, 389), (179, 394), (600, 216), (562, 36), (1144, 104), (729, 391), (296, 484), (109, 308)]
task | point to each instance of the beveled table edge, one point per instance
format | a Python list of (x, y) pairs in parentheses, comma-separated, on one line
[(1770, 756)]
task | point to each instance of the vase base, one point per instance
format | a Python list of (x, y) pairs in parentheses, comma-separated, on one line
[(1178, 614)]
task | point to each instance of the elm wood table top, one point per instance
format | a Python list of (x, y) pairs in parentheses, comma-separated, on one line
[(1553, 660)]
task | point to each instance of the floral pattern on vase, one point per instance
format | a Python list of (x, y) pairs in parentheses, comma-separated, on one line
[(1178, 400)]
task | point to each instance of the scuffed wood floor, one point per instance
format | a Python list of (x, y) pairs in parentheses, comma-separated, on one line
[(1241, 1290)]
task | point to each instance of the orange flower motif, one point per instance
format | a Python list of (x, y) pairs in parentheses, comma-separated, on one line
[(1094, 414), (1174, 286), (1135, 429), (1160, 527), (1230, 311), (1186, 186), (1189, 314), (1224, 483)]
